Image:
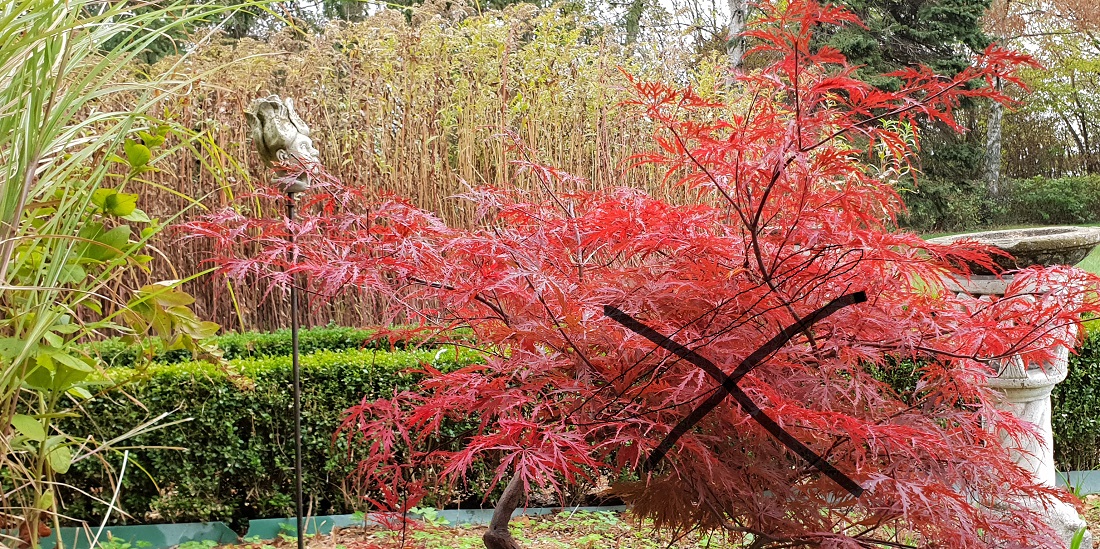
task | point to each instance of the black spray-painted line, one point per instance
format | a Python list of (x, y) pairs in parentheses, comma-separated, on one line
[(729, 386)]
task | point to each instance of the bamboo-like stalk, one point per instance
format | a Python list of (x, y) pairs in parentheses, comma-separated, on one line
[(417, 110)]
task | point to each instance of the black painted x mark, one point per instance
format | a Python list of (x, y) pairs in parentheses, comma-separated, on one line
[(729, 386)]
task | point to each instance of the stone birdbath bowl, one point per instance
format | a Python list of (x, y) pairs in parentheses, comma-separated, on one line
[(1035, 246)]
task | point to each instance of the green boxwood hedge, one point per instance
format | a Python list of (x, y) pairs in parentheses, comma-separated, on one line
[(118, 353), (1076, 402), (239, 452), (1076, 415), (238, 459)]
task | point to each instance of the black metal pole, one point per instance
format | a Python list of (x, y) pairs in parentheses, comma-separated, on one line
[(290, 212)]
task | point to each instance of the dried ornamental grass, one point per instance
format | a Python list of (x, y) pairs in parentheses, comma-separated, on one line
[(415, 109)]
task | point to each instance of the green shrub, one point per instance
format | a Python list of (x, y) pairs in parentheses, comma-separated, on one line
[(1063, 201), (1076, 414), (239, 457), (238, 462), (118, 353), (902, 375), (950, 206), (936, 205), (1076, 401)]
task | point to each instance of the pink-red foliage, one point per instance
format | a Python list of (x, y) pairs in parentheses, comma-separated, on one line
[(790, 218)]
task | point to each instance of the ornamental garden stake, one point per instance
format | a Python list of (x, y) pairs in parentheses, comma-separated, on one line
[(282, 139)]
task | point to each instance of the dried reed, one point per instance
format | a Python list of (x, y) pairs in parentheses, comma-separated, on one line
[(416, 109)]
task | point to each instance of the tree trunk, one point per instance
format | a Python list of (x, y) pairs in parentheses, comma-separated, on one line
[(633, 20), (993, 146), (498, 536), (1082, 116), (736, 51)]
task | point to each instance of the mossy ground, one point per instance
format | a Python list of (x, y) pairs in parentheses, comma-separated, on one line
[(580, 530)]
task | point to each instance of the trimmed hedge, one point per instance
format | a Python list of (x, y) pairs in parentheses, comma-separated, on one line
[(238, 462), (1063, 201), (1076, 415), (118, 353), (1076, 403), (239, 457), (1075, 420)]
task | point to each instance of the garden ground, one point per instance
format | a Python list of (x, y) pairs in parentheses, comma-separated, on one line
[(565, 530), (579, 530)]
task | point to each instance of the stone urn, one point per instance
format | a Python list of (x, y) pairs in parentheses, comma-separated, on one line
[(1027, 387)]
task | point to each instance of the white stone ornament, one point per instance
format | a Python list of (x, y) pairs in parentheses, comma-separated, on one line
[(280, 135), (1025, 387)]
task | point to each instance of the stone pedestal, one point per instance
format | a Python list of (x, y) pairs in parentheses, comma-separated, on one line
[(1026, 393), (1026, 389)]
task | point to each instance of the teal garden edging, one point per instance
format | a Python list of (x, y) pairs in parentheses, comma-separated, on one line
[(164, 536)]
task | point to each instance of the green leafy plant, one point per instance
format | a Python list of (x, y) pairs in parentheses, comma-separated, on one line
[(78, 137), (116, 543), (199, 544), (430, 516), (1078, 538), (111, 542), (256, 542), (1076, 488)]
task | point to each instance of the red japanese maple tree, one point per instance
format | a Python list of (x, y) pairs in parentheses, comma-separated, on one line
[(790, 217)]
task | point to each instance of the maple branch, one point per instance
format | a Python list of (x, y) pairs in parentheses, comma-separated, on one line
[(752, 226), (881, 116), (557, 325), (683, 146), (730, 387), (477, 297), (653, 372)]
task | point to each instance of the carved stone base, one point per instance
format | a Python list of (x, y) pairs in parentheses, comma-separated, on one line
[(1063, 519)]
